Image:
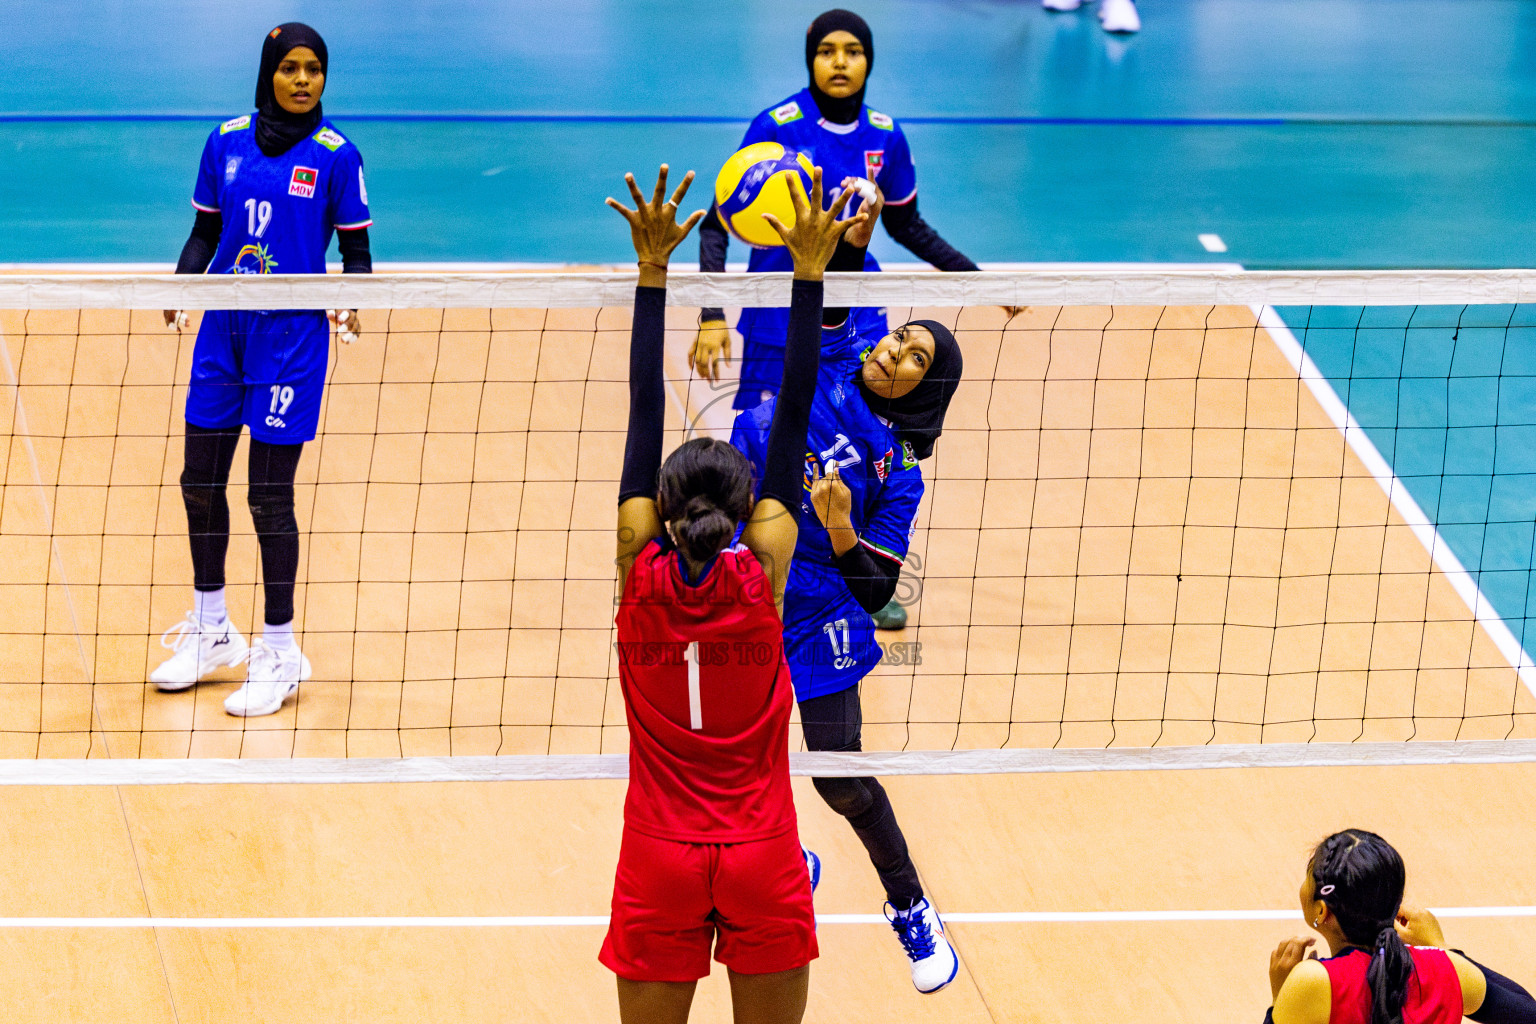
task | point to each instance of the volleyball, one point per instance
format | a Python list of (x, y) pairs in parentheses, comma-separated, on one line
[(755, 181)]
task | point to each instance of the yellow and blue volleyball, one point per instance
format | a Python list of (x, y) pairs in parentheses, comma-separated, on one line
[(755, 181)]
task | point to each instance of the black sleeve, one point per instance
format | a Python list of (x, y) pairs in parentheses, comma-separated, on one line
[(784, 463), (847, 257), (871, 580), (713, 241), (908, 228), (1269, 1016), (647, 396), (202, 243), (355, 257), (1505, 1003)]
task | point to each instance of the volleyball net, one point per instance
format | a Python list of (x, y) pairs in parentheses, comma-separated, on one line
[(1176, 518)]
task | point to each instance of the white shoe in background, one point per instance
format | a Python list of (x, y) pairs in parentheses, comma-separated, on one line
[(196, 651), (270, 676), (1119, 16)]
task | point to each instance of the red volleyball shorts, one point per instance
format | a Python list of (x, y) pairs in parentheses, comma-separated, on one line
[(671, 900)]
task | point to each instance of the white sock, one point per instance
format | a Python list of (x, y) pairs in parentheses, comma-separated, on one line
[(279, 638), (208, 605)]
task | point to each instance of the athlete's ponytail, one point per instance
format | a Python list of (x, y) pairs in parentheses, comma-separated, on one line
[(703, 491), (1361, 878), (1388, 975)]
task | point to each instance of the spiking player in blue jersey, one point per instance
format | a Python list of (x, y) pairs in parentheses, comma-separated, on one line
[(271, 188), (879, 405)]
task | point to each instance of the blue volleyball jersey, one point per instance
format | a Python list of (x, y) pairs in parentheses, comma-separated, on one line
[(279, 211), (828, 637), (872, 147)]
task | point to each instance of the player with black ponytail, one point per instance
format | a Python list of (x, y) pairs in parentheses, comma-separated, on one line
[(1387, 964), (711, 853)]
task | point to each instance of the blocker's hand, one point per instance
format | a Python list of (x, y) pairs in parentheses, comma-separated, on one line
[(653, 226), (349, 327), (813, 239), (1285, 958)]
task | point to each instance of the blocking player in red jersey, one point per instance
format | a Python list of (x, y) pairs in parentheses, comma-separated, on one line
[(1387, 964), (711, 852)]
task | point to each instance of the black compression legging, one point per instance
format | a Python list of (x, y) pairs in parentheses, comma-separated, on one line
[(834, 722), (204, 478)]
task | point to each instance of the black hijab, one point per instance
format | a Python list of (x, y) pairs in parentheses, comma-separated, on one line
[(845, 110), (278, 130), (918, 416)]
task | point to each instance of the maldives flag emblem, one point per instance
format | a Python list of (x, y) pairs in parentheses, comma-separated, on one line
[(874, 163), (302, 183)]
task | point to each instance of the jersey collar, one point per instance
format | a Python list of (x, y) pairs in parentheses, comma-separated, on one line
[(840, 129)]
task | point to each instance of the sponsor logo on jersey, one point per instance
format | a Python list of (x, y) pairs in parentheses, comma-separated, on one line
[(787, 113), (811, 466), (874, 163), (330, 139), (884, 463), (230, 167), (908, 461), (302, 184), (881, 121), (253, 259), (234, 124)]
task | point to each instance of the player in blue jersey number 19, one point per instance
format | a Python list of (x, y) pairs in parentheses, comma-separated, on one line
[(272, 187)]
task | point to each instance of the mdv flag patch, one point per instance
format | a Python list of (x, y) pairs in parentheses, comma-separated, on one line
[(302, 184)]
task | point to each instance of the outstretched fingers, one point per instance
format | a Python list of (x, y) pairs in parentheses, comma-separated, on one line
[(842, 200), (682, 189), (626, 212), (634, 189), (658, 197)]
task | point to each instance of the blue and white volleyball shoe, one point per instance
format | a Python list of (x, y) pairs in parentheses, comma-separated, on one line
[(934, 963)]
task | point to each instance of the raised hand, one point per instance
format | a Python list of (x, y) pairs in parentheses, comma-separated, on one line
[(874, 203), (1418, 927), (813, 239), (653, 226)]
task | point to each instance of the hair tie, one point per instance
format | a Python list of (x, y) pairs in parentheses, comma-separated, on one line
[(1326, 890)]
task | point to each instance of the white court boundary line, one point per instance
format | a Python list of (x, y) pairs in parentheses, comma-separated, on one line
[(601, 921), (572, 767), (1365, 449)]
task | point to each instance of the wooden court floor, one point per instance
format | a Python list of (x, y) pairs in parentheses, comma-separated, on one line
[(1234, 840), (1139, 529)]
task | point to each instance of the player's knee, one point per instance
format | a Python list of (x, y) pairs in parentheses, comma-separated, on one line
[(199, 494), (272, 509), (848, 797)]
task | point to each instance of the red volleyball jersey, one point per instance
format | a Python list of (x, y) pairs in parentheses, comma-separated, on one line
[(1434, 991), (708, 699)]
